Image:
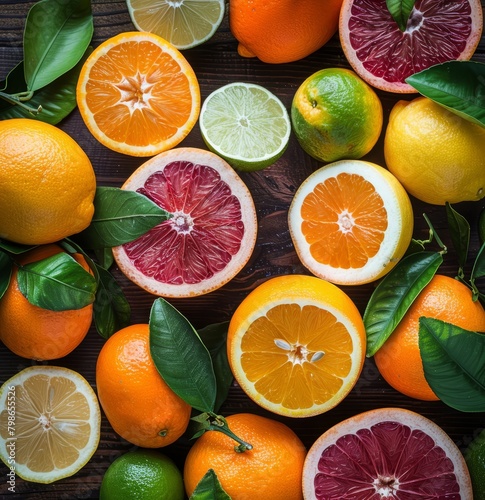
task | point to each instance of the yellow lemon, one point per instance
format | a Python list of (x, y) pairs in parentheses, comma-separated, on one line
[(335, 115), (438, 156)]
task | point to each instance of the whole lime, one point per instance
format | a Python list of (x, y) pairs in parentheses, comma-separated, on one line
[(144, 475), (475, 459), (335, 115)]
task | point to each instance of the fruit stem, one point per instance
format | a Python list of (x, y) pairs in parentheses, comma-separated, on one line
[(212, 422), (432, 234), (18, 99)]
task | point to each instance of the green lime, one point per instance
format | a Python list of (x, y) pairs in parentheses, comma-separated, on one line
[(246, 125), (475, 459), (144, 475), (335, 115)]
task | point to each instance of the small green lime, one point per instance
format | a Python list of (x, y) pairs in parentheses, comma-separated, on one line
[(475, 459), (144, 475), (335, 115)]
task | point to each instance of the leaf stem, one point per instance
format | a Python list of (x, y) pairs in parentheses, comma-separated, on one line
[(18, 99)]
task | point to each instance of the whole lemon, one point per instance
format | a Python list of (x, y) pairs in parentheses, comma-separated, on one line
[(335, 115), (47, 183), (438, 156)]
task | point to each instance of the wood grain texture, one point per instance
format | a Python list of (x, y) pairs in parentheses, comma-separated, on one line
[(217, 63)]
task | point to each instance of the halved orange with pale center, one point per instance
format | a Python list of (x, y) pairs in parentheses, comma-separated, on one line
[(138, 95), (296, 345), (351, 222)]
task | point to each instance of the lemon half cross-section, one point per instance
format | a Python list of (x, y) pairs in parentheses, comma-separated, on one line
[(49, 423)]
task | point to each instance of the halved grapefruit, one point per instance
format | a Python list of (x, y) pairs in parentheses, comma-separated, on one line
[(212, 231), (384, 56), (383, 454)]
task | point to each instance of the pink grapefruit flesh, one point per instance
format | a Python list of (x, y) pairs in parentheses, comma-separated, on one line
[(211, 232), (384, 56), (388, 453)]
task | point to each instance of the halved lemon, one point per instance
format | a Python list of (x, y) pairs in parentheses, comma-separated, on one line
[(184, 24), (351, 222), (49, 423), (296, 345)]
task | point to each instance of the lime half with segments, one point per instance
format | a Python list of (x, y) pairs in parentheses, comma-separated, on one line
[(184, 24), (246, 125)]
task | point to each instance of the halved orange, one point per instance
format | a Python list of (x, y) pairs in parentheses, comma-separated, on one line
[(138, 95), (351, 221), (296, 345)]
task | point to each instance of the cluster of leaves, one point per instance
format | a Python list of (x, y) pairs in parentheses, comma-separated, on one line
[(453, 358), (55, 45), (59, 282)]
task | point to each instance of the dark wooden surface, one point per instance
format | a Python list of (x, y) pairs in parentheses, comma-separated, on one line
[(216, 63)]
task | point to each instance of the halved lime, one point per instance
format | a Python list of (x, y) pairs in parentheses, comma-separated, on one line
[(185, 24), (246, 125)]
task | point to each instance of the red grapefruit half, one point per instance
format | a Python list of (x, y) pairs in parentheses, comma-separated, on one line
[(384, 56), (212, 231), (383, 454)]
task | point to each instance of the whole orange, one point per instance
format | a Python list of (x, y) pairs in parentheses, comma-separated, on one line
[(138, 403), (48, 183), (282, 31), (399, 360), (272, 469), (35, 333)]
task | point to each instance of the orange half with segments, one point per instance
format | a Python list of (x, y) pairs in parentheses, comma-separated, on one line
[(296, 345), (351, 222), (138, 95)]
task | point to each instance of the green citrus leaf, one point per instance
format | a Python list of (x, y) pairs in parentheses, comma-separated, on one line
[(6, 266), (56, 35), (209, 488), (459, 232), (456, 85), (478, 270), (394, 295), (454, 364), (111, 309), (57, 99), (15, 248), (400, 11), (57, 283), (214, 338), (181, 357), (119, 217)]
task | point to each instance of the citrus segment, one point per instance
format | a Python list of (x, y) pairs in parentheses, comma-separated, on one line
[(384, 56), (296, 345), (385, 453), (138, 95), (210, 235), (47, 183), (57, 423), (184, 24), (350, 221), (246, 125)]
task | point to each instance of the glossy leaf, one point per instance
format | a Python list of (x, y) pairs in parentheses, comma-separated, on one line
[(454, 364), (181, 357), (394, 295), (209, 488), (57, 283), (15, 248), (400, 11), (119, 217), (459, 232), (457, 85), (214, 338), (6, 266), (57, 99), (478, 270), (56, 37), (111, 308)]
